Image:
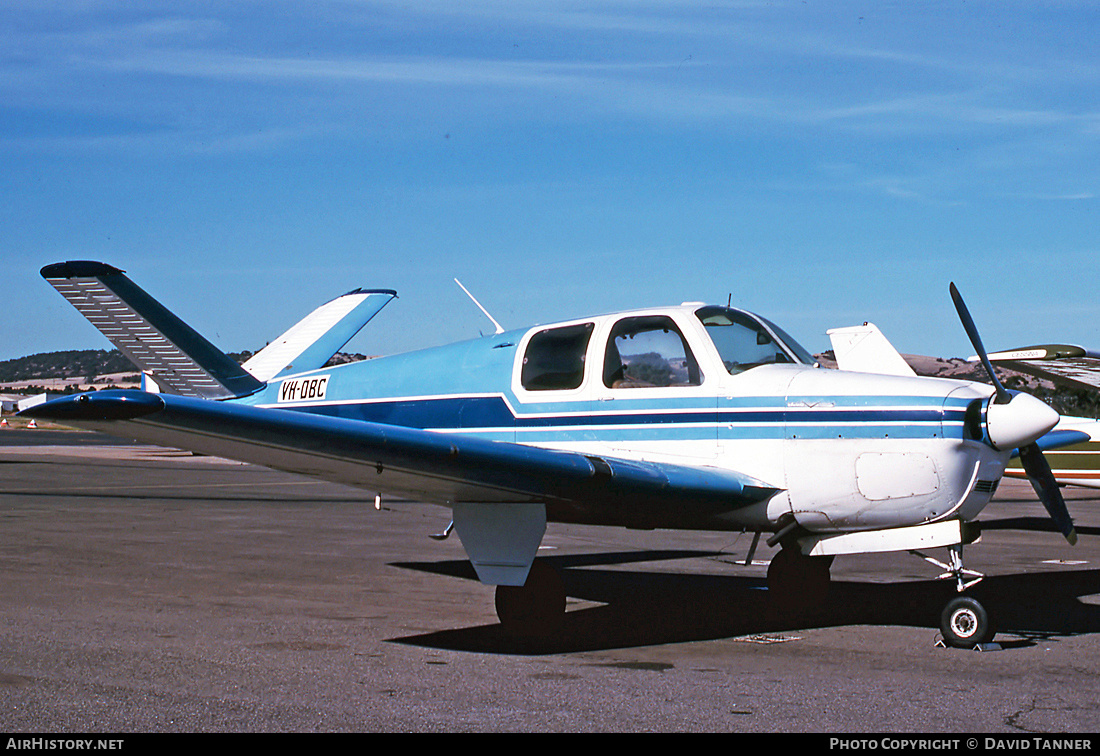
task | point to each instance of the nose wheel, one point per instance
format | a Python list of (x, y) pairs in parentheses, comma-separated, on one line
[(964, 622)]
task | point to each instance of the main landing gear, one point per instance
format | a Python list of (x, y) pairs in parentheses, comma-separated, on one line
[(798, 583), (534, 609)]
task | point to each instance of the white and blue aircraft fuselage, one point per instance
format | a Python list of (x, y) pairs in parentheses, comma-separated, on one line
[(842, 451), (686, 417)]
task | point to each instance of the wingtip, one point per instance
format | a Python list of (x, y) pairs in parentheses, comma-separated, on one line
[(79, 269), (97, 405)]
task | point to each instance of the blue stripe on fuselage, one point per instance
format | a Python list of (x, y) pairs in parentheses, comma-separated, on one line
[(469, 397), (494, 415)]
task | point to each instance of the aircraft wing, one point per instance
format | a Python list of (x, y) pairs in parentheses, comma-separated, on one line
[(1074, 442), (430, 466), (1071, 366)]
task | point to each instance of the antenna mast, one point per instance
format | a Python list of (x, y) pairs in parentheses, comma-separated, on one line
[(471, 296)]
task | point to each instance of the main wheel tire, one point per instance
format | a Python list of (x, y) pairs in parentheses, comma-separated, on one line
[(965, 623), (798, 583), (535, 609)]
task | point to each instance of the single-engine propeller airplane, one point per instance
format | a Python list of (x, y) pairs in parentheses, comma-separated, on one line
[(689, 417)]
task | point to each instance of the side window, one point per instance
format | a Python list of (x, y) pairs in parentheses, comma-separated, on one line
[(554, 359), (648, 352)]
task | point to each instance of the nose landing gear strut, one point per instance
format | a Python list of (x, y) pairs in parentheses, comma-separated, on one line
[(964, 622)]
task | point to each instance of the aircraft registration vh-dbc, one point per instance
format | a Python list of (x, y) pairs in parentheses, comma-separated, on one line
[(694, 417)]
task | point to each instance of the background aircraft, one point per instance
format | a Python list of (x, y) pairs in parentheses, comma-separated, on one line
[(1077, 369), (686, 417)]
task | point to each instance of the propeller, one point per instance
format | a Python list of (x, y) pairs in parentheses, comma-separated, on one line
[(1003, 397), (1017, 422), (1042, 480)]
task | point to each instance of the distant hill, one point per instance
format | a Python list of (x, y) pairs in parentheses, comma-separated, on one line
[(1078, 403), (81, 368), (68, 364)]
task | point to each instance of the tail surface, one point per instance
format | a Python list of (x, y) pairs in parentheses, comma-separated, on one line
[(178, 359), (863, 349), (310, 343), (165, 348)]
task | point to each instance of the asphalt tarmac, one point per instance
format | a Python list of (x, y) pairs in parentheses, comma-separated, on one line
[(149, 590)]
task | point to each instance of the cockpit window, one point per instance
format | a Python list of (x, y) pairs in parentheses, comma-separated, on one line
[(554, 359), (649, 352), (745, 342), (800, 352)]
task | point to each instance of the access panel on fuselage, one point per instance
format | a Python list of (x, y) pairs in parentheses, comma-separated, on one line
[(865, 451)]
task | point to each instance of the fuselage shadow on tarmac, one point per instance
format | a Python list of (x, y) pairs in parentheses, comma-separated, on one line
[(634, 608)]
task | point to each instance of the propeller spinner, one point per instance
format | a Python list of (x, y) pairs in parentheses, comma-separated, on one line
[(1017, 422)]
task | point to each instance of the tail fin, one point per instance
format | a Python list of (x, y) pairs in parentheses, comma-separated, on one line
[(177, 357), (310, 343)]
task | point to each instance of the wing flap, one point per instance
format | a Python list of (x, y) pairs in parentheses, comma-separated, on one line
[(426, 465)]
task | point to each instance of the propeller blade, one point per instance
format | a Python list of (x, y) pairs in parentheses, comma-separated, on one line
[(1003, 397), (1031, 456), (1042, 480)]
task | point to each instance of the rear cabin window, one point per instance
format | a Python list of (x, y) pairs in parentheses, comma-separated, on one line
[(649, 352), (554, 359)]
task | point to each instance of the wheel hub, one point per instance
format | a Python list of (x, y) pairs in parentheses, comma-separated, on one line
[(964, 623)]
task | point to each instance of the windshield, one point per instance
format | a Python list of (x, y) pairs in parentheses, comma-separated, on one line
[(745, 341)]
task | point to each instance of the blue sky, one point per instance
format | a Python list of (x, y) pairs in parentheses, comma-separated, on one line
[(821, 163)]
